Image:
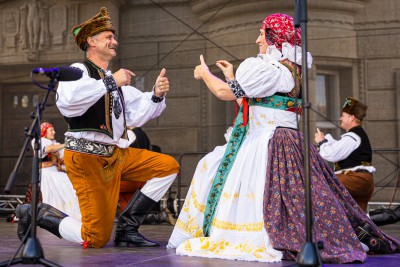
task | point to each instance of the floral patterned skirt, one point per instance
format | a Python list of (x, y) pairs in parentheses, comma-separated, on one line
[(335, 214)]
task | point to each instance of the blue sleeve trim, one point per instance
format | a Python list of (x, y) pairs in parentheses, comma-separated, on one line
[(110, 83), (236, 88)]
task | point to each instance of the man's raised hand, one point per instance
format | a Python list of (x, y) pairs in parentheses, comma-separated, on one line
[(162, 84), (123, 77)]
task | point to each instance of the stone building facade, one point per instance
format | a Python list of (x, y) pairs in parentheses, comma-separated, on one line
[(355, 45)]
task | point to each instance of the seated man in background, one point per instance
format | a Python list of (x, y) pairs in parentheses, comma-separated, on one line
[(352, 154)]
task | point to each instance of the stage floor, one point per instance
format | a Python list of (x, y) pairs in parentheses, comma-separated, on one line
[(67, 254)]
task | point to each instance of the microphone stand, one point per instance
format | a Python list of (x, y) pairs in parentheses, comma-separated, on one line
[(309, 254), (32, 252)]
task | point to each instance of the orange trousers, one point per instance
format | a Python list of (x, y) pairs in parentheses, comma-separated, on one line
[(127, 189), (97, 180), (360, 186)]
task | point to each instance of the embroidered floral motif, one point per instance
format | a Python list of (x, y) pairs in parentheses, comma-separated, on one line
[(225, 196), (112, 88), (156, 99), (222, 246), (248, 248), (187, 245), (241, 227), (213, 246), (196, 203), (114, 165), (232, 148), (85, 146), (185, 207), (236, 88), (204, 167), (191, 227), (277, 102), (117, 108), (251, 196), (110, 83)]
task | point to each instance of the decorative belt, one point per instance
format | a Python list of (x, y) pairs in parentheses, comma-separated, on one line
[(278, 102), (90, 147), (358, 170), (362, 170), (363, 163)]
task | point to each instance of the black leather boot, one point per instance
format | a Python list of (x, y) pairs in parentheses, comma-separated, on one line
[(384, 216), (48, 218), (375, 244), (397, 212), (127, 232), (161, 217)]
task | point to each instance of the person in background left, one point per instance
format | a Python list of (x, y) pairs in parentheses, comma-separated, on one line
[(55, 186)]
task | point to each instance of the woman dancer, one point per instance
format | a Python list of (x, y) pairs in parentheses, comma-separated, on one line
[(246, 200)]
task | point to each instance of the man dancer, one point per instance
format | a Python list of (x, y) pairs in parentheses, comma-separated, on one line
[(352, 154), (98, 108)]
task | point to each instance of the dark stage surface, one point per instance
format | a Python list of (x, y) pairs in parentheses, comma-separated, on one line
[(67, 254)]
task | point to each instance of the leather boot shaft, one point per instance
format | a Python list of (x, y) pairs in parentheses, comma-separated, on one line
[(397, 212), (127, 232), (49, 218), (385, 216)]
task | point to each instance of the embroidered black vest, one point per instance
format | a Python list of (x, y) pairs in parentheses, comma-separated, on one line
[(361, 156), (98, 117)]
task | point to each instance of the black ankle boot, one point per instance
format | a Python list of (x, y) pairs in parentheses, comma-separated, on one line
[(48, 218), (375, 244), (131, 219)]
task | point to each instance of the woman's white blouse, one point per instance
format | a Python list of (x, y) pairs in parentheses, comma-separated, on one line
[(259, 78)]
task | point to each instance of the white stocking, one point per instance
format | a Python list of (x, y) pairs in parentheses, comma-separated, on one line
[(70, 229), (156, 188)]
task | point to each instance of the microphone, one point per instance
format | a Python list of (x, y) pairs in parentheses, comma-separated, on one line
[(61, 73)]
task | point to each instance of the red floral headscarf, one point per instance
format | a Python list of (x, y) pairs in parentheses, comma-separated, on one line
[(44, 127), (279, 28)]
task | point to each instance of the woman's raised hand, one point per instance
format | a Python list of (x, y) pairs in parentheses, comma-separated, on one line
[(227, 69), (201, 69)]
